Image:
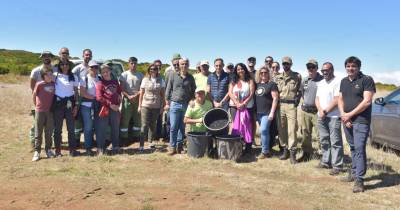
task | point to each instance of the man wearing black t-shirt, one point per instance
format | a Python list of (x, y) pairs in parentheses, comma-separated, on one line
[(355, 97)]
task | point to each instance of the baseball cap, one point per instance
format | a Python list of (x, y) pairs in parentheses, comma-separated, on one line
[(93, 63), (176, 56), (204, 62), (199, 89), (287, 59), (46, 53), (312, 61)]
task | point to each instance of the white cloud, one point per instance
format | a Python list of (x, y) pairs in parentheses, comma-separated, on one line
[(392, 77)]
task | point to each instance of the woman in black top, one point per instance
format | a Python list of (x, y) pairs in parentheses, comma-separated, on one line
[(267, 97)]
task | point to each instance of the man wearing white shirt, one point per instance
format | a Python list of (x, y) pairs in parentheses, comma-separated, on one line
[(329, 123)]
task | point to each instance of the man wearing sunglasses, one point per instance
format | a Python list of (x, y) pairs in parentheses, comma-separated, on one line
[(289, 93), (64, 57), (308, 118)]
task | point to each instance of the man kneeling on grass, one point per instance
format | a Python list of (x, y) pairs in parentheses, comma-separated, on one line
[(43, 95), (194, 115)]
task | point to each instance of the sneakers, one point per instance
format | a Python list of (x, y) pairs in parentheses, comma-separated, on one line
[(264, 155), (50, 154), (36, 156), (335, 171), (152, 146), (89, 152), (349, 178), (322, 166), (172, 152), (358, 186), (141, 149), (73, 153)]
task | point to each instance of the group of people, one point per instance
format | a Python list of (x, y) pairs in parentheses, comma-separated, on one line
[(136, 105)]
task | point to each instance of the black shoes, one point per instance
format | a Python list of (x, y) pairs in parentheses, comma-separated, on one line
[(285, 154), (305, 157)]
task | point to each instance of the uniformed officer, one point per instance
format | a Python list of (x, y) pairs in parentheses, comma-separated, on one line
[(308, 117), (130, 81), (289, 92)]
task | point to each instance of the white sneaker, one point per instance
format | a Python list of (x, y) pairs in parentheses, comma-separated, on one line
[(50, 154), (36, 156)]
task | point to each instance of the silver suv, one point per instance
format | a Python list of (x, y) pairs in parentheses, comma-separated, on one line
[(116, 67)]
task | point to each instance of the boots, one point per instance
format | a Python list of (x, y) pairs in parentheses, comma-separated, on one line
[(285, 154), (305, 157), (293, 157), (358, 186)]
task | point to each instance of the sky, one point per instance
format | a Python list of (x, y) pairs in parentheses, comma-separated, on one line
[(204, 30)]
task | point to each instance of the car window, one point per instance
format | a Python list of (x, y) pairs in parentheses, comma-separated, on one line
[(394, 98)]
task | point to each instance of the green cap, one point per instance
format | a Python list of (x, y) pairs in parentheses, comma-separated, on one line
[(176, 56), (312, 61)]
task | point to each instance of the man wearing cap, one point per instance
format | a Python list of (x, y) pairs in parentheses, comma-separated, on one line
[(329, 123), (355, 99), (130, 81), (289, 93), (81, 71), (251, 65), (201, 77), (308, 118), (174, 67), (194, 115), (35, 77), (218, 86)]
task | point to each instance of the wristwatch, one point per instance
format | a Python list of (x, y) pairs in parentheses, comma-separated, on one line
[(325, 112)]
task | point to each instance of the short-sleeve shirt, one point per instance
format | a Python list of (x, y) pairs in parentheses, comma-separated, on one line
[(197, 112), (309, 89), (130, 82), (35, 73), (288, 85), (200, 80), (263, 96), (80, 71), (326, 92), (65, 87), (44, 96), (90, 87), (353, 94), (219, 85)]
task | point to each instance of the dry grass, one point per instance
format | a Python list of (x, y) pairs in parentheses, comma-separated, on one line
[(157, 181)]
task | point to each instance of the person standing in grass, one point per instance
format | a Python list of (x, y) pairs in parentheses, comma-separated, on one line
[(130, 81), (151, 104), (266, 97), (43, 95), (218, 85), (355, 106), (180, 90), (66, 107), (108, 95), (329, 121), (89, 106), (35, 77)]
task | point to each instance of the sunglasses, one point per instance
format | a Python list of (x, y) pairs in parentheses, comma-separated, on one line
[(94, 67), (286, 64), (311, 67), (65, 53), (153, 69), (263, 72), (176, 64)]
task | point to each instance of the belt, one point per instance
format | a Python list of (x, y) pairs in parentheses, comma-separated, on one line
[(288, 101), (309, 109)]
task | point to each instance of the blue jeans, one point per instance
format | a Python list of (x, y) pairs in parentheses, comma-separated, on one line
[(357, 138), (330, 136), (113, 120), (177, 130), (264, 132), (90, 123)]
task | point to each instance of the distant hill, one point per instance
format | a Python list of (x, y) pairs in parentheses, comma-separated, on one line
[(22, 62)]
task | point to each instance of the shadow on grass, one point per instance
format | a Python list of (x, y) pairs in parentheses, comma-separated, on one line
[(387, 176)]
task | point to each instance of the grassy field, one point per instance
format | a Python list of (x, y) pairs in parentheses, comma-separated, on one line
[(157, 181)]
